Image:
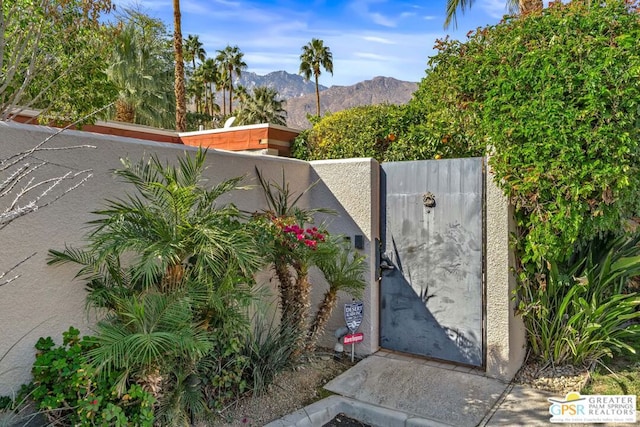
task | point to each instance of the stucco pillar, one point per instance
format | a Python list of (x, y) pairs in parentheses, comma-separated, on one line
[(354, 188), (505, 340)]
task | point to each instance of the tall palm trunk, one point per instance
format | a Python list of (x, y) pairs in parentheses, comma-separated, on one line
[(317, 96), (181, 102), (224, 102), (230, 89), (205, 105)]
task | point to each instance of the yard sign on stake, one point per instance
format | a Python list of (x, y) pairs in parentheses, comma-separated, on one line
[(353, 313)]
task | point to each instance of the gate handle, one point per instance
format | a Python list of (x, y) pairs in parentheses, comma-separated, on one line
[(429, 200)]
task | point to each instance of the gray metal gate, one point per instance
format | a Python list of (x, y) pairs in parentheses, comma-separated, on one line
[(432, 259)]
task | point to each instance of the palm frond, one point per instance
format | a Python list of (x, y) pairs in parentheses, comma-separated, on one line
[(282, 202), (343, 268)]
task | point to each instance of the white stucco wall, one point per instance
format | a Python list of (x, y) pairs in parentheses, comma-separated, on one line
[(506, 345)]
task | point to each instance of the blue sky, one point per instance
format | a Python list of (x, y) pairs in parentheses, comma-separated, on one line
[(368, 38)]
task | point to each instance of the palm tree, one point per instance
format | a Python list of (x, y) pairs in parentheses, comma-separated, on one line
[(195, 89), (172, 269), (514, 6), (222, 85), (230, 59), (179, 85), (241, 94), (193, 50), (290, 262), (210, 77), (315, 55), (141, 77), (263, 107), (344, 270)]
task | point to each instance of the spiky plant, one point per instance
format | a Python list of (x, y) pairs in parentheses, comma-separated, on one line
[(344, 271)]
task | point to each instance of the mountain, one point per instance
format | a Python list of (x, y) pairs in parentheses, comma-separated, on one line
[(379, 90), (301, 98), (287, 85)]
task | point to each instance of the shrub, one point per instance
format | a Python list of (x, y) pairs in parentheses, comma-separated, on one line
[(356, 132), (555, 95), (172, 271), (577, 312), (69, 390)]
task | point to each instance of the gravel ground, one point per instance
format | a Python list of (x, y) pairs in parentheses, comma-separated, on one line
[(292, 390), (557, 379)]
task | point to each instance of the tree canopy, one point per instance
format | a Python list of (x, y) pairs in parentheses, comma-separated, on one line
[(53, 57)]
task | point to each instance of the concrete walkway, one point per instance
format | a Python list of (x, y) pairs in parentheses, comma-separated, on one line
[(392, 390)]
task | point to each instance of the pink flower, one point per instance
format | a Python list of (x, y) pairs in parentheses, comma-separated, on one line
[(311, 243), (300, 236)]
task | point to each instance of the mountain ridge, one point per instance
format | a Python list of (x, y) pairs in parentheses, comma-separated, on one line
[(300, 97), (379, 90)]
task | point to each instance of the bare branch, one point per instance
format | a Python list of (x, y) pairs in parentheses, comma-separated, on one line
[(11, 279)]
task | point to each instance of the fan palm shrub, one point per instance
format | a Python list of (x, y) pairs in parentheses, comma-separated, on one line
[(174, 271), (288, 246)]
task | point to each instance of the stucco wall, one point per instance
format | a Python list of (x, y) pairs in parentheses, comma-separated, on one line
[(505, 344), (46, 300)]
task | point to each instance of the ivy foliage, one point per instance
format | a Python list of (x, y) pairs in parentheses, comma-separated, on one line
[(555, 95)]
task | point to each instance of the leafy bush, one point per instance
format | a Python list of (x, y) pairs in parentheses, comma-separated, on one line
[(555, 96), (356, 132), (577, 312), (69, 390)]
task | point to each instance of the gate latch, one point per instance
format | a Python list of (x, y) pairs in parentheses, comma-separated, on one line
[(429, 200)]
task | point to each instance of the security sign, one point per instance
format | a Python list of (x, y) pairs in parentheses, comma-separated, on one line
[(353, 313)]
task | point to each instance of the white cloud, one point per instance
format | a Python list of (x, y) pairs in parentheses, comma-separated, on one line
[(494, 8), (368, 55), (190, 6), (376, 39), (380, 19)]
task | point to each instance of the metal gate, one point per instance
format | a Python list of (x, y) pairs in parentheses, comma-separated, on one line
[(432, 259)]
